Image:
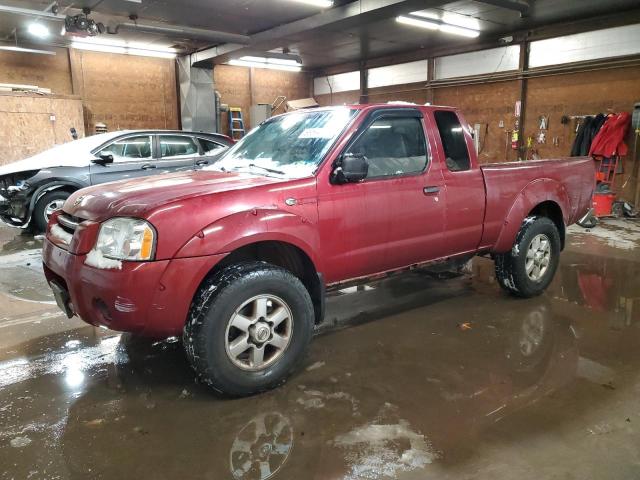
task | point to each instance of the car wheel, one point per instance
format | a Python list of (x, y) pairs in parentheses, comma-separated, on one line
[(527, 270), (248, 328), (48, 203)]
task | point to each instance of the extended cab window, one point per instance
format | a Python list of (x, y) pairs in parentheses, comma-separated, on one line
[(453, 141), (177, 146), (129, 148), (393, 146)]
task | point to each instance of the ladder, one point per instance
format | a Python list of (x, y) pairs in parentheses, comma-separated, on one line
[(236, 123)]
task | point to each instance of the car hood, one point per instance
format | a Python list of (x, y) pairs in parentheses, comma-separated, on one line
[(139, 197), (76, 153)]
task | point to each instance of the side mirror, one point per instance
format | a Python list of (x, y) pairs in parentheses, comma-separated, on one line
[(350, 168), (103, 159)]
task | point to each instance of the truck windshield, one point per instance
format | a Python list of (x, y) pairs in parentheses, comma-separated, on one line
[(289, 146)]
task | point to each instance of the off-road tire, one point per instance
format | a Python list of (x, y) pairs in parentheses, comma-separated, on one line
[(510, 266), (212, 307), (39, 221)]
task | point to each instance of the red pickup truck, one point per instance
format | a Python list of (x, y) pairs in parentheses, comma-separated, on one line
[(237, 257)]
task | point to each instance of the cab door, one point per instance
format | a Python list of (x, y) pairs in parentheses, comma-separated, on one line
[(395, 216)]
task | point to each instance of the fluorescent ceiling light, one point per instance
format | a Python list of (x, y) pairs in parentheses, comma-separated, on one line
[(38, 30), (317, 3), (272, 66), (123, 48), (415, 22), (13, 48), (438, 25), (450, 18), (271, 60), (423, 14)]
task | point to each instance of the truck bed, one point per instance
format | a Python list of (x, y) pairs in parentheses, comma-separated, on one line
[(568, 181)]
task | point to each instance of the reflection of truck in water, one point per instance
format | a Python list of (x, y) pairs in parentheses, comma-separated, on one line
[(322, 429)]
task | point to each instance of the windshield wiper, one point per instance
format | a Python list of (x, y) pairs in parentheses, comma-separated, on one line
[(270, 170)]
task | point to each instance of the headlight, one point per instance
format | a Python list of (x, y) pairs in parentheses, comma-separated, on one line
[(127, 239)]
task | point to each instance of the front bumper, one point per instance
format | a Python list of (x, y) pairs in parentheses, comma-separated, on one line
[(8, 215), (147, 298), (14, 211)]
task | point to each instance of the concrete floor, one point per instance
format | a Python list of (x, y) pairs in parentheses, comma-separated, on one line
[(413, 377)]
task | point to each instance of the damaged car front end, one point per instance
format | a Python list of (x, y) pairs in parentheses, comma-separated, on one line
[(16, 193)]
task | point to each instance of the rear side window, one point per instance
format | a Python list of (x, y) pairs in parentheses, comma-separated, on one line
[(210, 148), (129, 148), (177, 146), (453, 141)]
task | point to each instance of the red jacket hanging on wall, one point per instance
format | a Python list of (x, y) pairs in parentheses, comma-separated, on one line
[(609, 141)]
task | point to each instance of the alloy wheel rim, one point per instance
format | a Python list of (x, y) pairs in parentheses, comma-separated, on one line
[(262, 447), (258, 332), (538, 257), (51, 207)]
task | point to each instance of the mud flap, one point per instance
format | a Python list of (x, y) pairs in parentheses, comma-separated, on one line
[(62, 298)]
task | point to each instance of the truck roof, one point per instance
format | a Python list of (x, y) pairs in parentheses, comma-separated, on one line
[(362, 106)]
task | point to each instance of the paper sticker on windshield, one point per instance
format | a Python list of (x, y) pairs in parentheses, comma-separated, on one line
[(325, 132)]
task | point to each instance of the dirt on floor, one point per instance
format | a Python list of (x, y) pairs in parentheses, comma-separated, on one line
[(412, 377)]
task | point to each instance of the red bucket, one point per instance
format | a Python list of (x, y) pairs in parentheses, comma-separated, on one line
[(603, 203)]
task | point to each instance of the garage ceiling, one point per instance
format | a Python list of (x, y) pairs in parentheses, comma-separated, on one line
[(350, 31)]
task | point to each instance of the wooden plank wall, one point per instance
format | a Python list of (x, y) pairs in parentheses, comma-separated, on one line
[(123, 91), (126, 92), (49, 71), (243, 87), (31, 124)]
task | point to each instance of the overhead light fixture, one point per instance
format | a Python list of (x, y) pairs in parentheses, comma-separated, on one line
[(273, 63), (433, 24), (123, 48), (14, 48), (418, 22), (317, 3), (38, 30), (272, 60)]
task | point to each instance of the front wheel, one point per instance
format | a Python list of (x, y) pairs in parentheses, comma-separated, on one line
[(528, 269), (248, 328), (46, 205)]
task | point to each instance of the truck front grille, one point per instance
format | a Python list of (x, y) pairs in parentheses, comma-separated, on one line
[(69, 223)]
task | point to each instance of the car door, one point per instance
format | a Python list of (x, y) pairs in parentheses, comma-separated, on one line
[(393, 218), (176, 152), (465, 191), (132, 157)]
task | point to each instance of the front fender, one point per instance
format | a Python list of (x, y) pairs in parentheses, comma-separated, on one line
[(532, 195), (252, 226), (48, 187)]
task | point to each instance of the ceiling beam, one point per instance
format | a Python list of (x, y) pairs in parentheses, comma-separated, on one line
[(521, 6), (353, 14)]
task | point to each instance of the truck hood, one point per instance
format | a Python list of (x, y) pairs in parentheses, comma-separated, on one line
[(139, 197)]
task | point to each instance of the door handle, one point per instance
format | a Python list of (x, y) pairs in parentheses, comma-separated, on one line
[(147, 166), (430, 190), (202, 162)]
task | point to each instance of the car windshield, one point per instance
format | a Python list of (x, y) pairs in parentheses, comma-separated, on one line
[(290, 146)]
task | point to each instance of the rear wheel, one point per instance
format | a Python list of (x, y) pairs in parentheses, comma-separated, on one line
[(48, 203), (248, 328), (528, 269)]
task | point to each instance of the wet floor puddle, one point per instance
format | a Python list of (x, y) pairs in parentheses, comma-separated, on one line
[(428, 374)]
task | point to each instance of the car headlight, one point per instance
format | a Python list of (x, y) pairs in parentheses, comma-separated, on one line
[(127, 239)]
